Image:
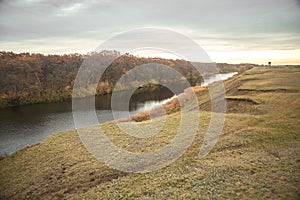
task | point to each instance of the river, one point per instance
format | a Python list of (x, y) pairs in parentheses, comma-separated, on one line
[(31, 124)]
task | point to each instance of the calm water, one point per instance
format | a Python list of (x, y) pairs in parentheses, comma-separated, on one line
[(26, 125)]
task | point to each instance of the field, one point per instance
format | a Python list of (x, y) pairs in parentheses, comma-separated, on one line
[(257, 155)]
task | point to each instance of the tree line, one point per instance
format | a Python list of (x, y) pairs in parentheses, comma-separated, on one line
[(28, 78)]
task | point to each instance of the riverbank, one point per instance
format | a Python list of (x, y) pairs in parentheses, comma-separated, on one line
[(31, 124), (256, 157), (35, 78)]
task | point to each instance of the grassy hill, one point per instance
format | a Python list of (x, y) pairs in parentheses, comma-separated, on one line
[(256, 157)]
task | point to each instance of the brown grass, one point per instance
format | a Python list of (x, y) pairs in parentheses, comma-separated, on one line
[(256, 157)]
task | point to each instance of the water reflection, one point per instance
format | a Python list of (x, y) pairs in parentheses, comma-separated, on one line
[(25, 125)]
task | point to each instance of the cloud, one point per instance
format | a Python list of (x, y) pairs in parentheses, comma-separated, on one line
[(229, 24)]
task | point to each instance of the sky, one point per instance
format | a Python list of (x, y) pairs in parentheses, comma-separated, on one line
[(232, 31)]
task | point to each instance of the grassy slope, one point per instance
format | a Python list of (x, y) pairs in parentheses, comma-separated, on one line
[(256, 157)]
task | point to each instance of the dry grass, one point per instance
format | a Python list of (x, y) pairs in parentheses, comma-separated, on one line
[(275, 79), (256, 157)]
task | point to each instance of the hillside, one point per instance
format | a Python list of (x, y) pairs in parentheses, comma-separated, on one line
[(35, 78), (256, 157)]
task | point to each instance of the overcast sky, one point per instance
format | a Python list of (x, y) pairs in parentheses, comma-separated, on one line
[(229, 30)]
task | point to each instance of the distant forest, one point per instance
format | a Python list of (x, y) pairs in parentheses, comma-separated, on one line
[(27, 78)]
